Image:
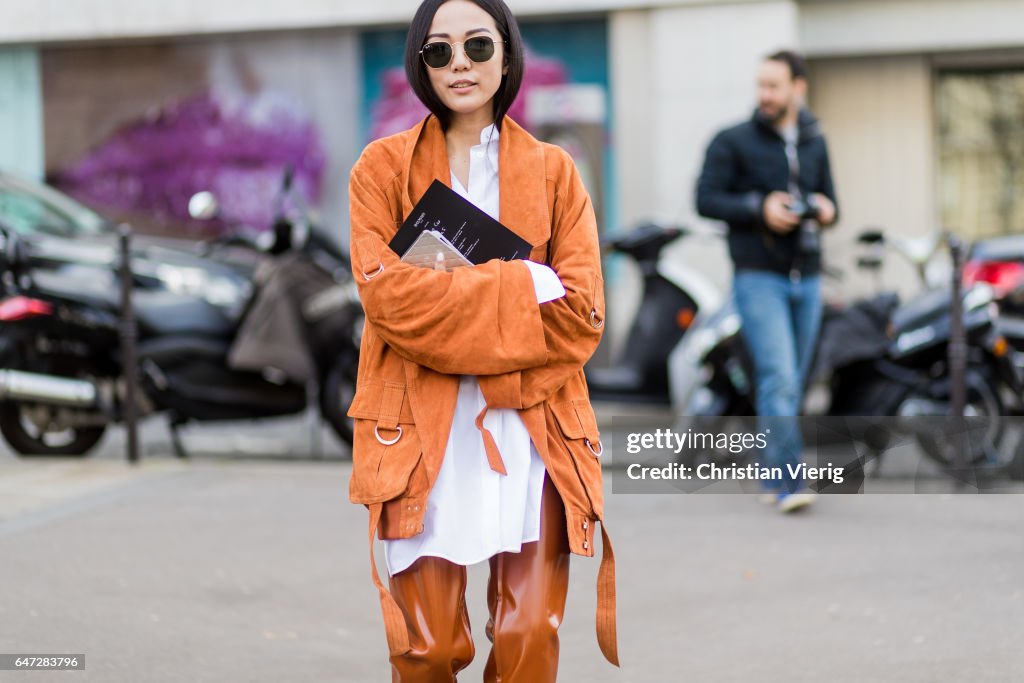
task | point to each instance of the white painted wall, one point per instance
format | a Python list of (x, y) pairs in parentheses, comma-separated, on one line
[(826, 27), (679, 75), (21, 112), (864, 27), (53, 20), (877, 115), (681, 69)]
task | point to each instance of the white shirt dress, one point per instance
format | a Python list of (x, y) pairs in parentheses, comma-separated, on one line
[(472, 511)]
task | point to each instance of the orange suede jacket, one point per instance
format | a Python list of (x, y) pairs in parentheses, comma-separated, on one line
[(425, 328)]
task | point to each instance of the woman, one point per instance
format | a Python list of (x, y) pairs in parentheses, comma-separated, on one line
[(475, 438)]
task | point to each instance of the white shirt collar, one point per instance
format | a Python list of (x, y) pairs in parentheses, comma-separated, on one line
[(489, 142), (489, 134), (484, 189)]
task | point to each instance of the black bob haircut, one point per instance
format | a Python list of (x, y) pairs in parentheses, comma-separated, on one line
[(416, 70), (796, 63)]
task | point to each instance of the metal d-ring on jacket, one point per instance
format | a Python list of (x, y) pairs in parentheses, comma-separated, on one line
[(425, 328)]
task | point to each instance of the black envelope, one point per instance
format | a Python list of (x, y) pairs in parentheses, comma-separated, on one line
[(476, 235)]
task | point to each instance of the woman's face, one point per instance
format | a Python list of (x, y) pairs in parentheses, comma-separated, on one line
[(464, 86)]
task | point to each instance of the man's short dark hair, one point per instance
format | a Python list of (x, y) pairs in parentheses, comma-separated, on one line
[(795, 61), (416, 70)]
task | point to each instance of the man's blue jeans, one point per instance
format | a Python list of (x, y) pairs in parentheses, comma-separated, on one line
[(780, 318)]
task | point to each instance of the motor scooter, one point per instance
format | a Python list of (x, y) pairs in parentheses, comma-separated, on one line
[(673, 299), (875, 357)]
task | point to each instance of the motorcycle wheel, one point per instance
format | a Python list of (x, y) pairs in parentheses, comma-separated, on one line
[(983, 401), (26, 438), (336, 393)]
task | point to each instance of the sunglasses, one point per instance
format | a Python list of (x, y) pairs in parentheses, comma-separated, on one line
[(439, 55)]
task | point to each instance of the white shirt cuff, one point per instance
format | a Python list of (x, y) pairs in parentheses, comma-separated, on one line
[(546, 284)]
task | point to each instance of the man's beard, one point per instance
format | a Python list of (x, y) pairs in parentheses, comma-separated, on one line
[(778, 116)]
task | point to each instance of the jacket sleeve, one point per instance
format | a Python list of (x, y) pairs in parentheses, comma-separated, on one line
[(474, 321), (827, 186), (715, 198), (572, 324)]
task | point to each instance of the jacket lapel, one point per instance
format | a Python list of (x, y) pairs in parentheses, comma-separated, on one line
[(425, 160), (523, 201)]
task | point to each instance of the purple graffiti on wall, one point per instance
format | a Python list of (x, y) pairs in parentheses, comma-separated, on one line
[(398, 107), (235, 145)]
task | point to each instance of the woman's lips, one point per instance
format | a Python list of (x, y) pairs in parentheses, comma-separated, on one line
[(462, 86)]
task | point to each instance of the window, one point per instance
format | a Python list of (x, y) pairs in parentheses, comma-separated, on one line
[(30, 208), (28, 215), (981, 151)]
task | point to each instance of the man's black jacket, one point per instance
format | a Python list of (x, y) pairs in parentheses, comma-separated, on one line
[(743, 165)]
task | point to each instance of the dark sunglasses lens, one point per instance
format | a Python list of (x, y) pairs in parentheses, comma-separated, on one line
[(479, 49), (436, 55)]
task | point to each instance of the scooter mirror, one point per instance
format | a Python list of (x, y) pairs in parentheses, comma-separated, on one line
[(203, 206), (920, 249), (871, 236), (265, 241)]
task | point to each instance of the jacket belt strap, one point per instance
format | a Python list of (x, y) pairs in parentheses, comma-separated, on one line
[(490, 445), (391, 406), (394, 619), (607, 639)]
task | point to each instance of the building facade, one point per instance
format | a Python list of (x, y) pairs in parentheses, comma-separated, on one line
[(922, 100)]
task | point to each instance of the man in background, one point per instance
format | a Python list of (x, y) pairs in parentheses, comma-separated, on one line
[(769, 179)]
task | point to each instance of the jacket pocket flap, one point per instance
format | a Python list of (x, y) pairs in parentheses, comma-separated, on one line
[(379, 400), (382, 461), (576, 419)]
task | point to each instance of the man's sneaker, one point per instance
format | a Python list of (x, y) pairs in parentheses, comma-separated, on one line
[(791, 502)]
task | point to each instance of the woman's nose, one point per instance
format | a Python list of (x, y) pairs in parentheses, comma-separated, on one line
[(460, 60)]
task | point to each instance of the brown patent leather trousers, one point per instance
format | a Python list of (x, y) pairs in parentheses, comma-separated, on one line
[(526, 598)]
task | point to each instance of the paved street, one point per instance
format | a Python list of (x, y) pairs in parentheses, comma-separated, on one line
[(224, 568)]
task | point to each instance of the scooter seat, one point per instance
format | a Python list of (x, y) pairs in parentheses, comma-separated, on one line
[(854, 333), (646, 241), (921, 310)]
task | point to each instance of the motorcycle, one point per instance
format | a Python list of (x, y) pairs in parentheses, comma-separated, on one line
[(674, 298), (876, 357), (61, 385), (999, 262), (305, 286)]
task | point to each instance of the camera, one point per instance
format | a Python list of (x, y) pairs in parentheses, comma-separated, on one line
[(810, 235), (804, 209)]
